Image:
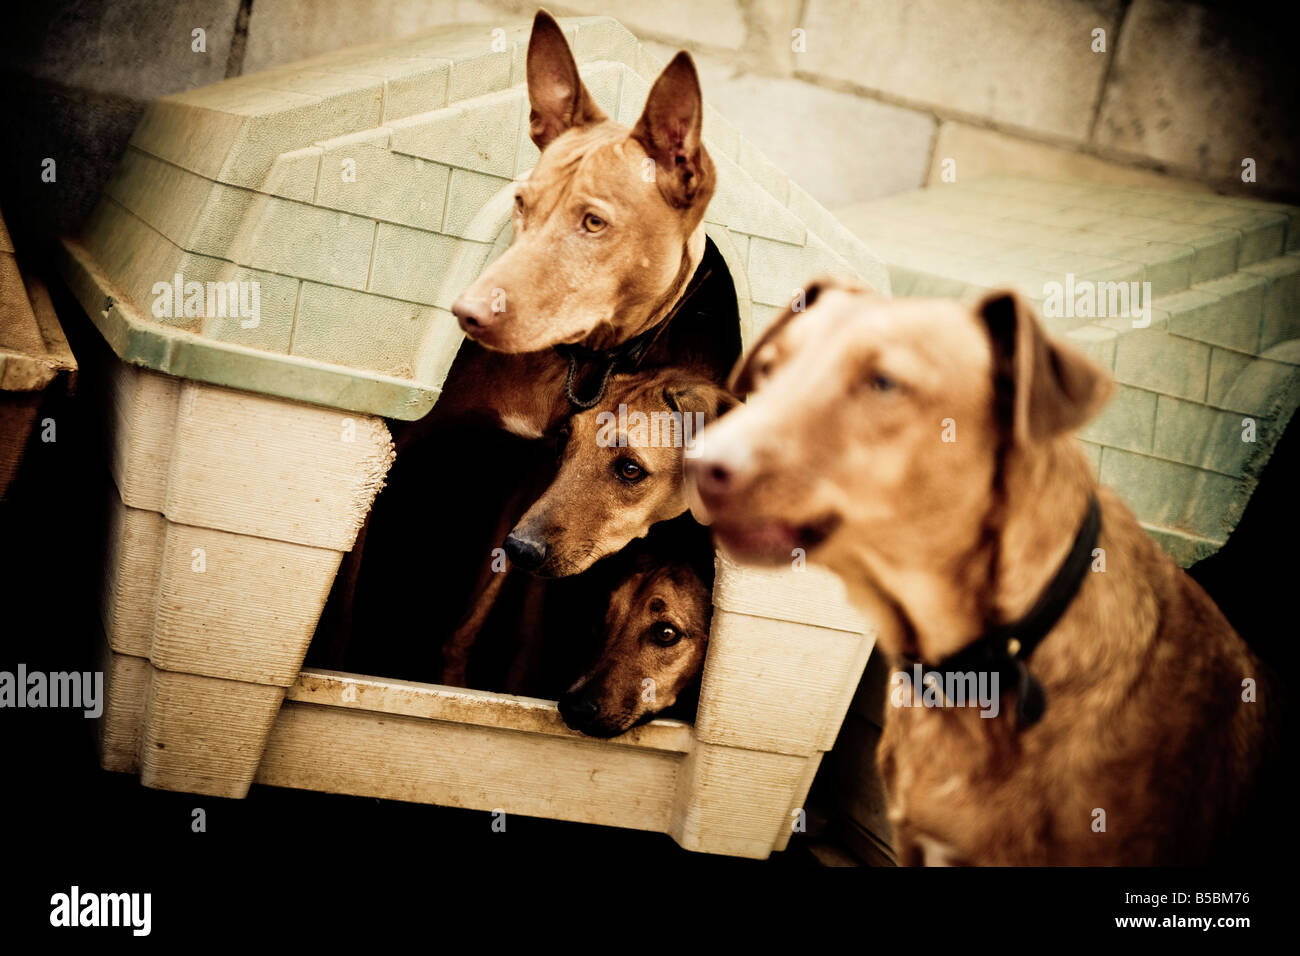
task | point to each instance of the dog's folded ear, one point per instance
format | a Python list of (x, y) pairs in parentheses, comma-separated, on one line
[(1042, 388), (670, 132), (699, 396), (558, 98), (741, 382)]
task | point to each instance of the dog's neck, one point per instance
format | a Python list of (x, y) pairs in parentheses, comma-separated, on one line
[(608, 336), (931, 605)]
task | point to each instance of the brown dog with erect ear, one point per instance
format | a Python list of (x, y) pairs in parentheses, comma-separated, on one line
[(1081, 700), (609, 238)]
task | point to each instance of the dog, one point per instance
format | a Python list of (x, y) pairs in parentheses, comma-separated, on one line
[(620, 473), (654, 630), (924, 451), (618, 644), (608, 242)]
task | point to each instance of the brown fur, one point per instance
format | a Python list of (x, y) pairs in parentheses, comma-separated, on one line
[(655, 599), (839, 450)]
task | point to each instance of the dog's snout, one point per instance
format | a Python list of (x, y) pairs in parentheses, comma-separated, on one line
[(473, 314), (578, 710), (715, 477), (525, 551)]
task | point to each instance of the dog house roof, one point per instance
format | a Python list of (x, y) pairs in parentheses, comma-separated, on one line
[(360, 192)]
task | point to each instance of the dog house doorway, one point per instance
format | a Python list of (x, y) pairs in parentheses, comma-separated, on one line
[(432, 527)]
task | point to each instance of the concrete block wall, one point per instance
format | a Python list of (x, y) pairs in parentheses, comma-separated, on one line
[(854, 100)]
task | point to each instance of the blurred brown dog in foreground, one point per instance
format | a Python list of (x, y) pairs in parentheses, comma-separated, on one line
[(925, 451)]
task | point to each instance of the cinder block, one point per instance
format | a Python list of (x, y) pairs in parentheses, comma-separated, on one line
[(1173, 495), (294, 174), (1092, 451), (195, 213), (481, 136), (1253, 386), (290, 30), (1159, 362), (1215, 252), (306, 242), (410, 263), (386, 342), (604, 38), (773, 263), (277, 295), (742, 205), (1185, 549), (1223, 312), (467, 195), (834, 232), (474, 76), (763, 172), (1207, 437), (282, 121), (138, 257), (1128, 421), (631, 103), (382, 184), (1281, 320)]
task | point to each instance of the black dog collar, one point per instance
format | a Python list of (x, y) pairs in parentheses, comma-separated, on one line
[(1005, 648), (626, 356)]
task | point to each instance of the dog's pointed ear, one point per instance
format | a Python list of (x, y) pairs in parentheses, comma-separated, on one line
[(559, 101), (699, 396), (670, 131), (1042, 389)]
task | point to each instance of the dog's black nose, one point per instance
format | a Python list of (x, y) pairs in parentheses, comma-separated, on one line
[(525, 551), (578, 710)]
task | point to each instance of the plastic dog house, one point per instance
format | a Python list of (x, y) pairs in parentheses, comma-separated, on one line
[(272, 266)]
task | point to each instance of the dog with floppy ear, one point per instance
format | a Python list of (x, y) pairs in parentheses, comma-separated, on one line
[(925, 452)]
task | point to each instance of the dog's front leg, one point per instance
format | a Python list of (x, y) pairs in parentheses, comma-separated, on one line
[(456, 651)]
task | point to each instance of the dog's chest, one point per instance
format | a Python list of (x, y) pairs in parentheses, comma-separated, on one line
[(947, 789)]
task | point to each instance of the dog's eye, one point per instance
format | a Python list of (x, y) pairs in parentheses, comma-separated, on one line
[(592, 223), (881, 382), (629, 471), (519, 202), (664, 634)]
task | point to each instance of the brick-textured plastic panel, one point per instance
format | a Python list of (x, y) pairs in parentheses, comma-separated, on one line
[(352, 188)]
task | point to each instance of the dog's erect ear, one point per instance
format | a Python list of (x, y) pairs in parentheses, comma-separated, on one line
[(699, 396), (670, 132), (1042, 389), (556, 93)]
